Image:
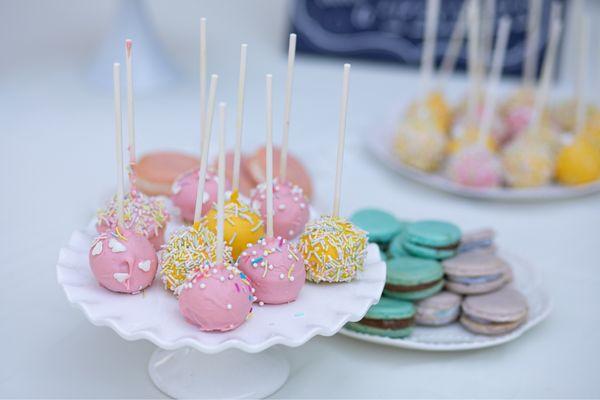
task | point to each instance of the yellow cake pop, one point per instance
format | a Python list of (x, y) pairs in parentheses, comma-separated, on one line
[(433, 108), (528, 162), (420, 144), (578, 163), (243, 225)]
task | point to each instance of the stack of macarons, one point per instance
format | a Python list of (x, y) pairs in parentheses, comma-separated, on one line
[(437, 276)]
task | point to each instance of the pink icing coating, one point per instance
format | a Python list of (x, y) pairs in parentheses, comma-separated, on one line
[(123, 265), (276, 269), (219, 299), (516, 121), (475, 166), (184, 192), (290, 208)]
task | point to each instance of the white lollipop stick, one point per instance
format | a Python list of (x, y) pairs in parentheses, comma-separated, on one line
[(341, 140), (487, 27), (269, 155), (118, 142), (239, 121), (541, 95), (494, 79), (204, 153), (582, 74), (454, 46), (532, 41), (221, 184), (130, 113), (287, 107), (202, 74), (473, 19), (428, 54)]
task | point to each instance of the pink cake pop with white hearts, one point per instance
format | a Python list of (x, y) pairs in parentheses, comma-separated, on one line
[(123, 261), (218, 297), (184, 192), (274, 265)]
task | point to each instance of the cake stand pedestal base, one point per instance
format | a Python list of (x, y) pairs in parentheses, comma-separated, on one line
[(188, 373)]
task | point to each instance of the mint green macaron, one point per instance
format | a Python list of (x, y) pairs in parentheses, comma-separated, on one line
[(389, 317), (395, 248), (411, 278), (380, 225), (432, 239)]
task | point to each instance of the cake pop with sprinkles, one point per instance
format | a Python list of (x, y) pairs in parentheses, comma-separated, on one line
[(193, 247), (243, 225), (273, 264), (144, 215), (476, 165), (217, 297), (333, 248), (122, 260), (291, 207)]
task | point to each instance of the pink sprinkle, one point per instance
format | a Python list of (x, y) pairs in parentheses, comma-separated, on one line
[(237, 287)]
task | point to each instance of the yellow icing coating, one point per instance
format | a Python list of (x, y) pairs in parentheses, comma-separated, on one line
[(528, 162), (243, 225), (591, 132), (578, 163), (420, 144), (187, 251), (333, 250), (433, 108)]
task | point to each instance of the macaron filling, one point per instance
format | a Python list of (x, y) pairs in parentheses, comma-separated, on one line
[(484, 321), (464, 247), (388, 323), (474, 280), (411, 288)]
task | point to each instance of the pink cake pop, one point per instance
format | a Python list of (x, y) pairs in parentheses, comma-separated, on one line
[(184, 193), (475, 166), (218, 299), (123, 261), (276, 269), (291, 211)]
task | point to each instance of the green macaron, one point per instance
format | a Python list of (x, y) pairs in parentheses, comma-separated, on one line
[(380, 225), (432, 239), (389, 317), (395, 248), (411, 278)]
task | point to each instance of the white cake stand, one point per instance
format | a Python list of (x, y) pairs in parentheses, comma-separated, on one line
[(241, 363)]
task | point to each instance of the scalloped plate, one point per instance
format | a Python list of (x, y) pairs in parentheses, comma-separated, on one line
[(454, 337), (378, 143), (321, 309)]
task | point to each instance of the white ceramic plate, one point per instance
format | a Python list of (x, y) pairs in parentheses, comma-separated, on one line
[(379, 143), (154, 315), (454, 337)]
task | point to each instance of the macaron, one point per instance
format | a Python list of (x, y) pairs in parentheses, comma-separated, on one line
[(381, 226), (156, 171), (476, 272), (494, 313), (389, 317), (440, 309), (432, 239), (479, 239), (411, 278), (395, 248)]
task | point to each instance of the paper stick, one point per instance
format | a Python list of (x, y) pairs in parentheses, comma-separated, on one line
[(287, 107), (428, 52), (221, 184), (130, 116), (118, 142), (541, 95), (202, 74), (532, 41), (341, 140), (239, 121), (494, 79), (487, 34), (473, 19), (269, 155), (454, 46), (204, 153), (582, 74)]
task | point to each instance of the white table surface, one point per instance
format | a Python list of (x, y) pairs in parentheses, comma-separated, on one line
[(56, 158)]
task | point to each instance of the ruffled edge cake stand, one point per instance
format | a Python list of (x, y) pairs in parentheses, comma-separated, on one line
[(239, 363)]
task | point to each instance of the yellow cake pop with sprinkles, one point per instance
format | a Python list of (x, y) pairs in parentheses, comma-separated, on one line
[(578, 163), (334, 250)]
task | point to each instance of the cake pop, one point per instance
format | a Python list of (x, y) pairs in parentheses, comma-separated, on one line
[(420, 144), (274, 265), (184, 192), (122, 260), (290, 204), (218, 297), (192, 248), (145, 215), (475, 165), (333, 248), (243, 225)]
